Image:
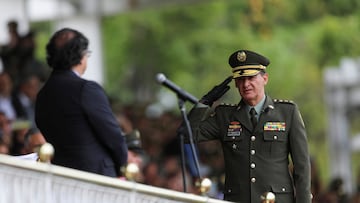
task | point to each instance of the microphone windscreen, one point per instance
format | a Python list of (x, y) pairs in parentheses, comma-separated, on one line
[(160, 77)]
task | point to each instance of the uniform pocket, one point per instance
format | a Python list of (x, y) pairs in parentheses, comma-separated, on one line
[(282, 188), (275, 143), (274, 136), (283, 192)]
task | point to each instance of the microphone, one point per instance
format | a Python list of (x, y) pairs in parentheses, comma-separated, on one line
[(181, 93)]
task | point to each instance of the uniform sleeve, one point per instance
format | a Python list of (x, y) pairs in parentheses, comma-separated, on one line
[(97, 107), (203, 123), (300, 158)]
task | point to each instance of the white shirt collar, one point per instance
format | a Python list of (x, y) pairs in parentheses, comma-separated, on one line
[(76, 73), (258, 106)]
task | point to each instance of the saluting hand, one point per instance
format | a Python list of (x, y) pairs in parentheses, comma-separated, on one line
[(216, 92)]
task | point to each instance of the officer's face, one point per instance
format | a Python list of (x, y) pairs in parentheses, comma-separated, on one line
[(252, 88)]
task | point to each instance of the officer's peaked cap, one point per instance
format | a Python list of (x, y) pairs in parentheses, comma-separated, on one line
[(247, 63)]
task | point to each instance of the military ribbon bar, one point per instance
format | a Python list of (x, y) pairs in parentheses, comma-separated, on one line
[(274, 126)]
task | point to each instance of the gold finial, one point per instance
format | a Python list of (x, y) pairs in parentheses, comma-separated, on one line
[(46, 152), (131, 171), (268, 197), (204, 185), (241, 56)]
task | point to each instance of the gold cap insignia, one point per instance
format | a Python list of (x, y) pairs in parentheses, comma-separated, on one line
[(241, 56)]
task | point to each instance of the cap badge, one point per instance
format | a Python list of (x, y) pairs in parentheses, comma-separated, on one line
[(241, 56)]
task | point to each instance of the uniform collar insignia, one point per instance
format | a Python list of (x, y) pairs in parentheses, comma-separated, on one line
[(240, 105)]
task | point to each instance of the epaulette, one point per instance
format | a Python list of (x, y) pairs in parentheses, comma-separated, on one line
[(226, 104), (283, 101)]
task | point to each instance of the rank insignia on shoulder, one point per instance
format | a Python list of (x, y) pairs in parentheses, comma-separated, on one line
[(283, 101), (226, 104)]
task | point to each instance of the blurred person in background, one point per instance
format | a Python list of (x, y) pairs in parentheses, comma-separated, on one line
[(34, 139), (28, 63), (19, 130), (335, 192), (212, 157), (5, 129), (173, 175), (316, 185), (74, 114), (4, 146), (6, 89), (5, 134), (18, 55), (24, 98), (153, 174), (9, 51)]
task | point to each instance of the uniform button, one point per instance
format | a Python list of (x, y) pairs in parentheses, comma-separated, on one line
[(229, 190), (275, 137), (253, 180), (283, 189), (252, 165), (252, 152), (253, 138), (233, 137)]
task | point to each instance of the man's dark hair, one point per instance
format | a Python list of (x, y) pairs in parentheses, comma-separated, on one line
[(66, 49)]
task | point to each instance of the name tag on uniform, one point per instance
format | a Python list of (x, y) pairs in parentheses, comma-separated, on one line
[(234, 129), (275, 126)]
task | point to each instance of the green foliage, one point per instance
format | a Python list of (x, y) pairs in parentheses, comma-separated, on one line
[(338, 37), (42, 34)]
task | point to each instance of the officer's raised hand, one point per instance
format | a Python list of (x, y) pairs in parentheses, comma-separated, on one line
[(216, 92)]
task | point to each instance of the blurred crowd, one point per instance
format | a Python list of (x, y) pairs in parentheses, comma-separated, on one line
[(159, 157), (20, 79)]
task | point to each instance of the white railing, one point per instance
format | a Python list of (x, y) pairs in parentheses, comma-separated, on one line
[(35, 182)]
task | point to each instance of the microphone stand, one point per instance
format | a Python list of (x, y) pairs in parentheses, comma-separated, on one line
[(188, 129)]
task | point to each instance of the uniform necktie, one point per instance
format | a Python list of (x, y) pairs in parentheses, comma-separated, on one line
[(253, 117)]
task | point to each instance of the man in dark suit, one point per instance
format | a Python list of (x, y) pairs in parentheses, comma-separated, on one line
[(258, 136), (74, 114)]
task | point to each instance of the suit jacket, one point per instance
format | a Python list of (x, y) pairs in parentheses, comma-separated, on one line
[(257, 161), (76, 118)]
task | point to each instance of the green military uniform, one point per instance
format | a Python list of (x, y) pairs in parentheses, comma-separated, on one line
[(257, 157), (257, 161)]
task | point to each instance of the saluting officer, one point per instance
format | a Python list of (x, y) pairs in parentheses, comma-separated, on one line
[(258, 136)]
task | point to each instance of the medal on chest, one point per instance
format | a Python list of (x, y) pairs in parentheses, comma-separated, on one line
[(275, 126), (234, 129)]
